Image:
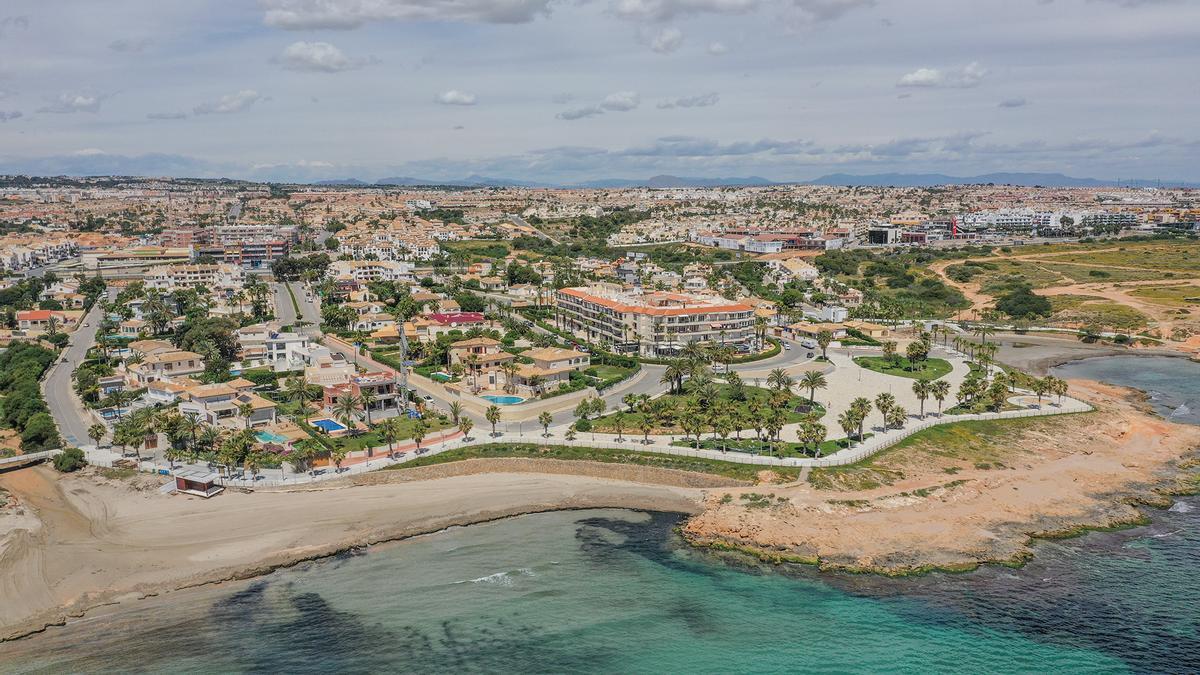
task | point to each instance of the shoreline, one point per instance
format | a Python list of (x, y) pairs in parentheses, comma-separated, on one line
[(1061, 478)]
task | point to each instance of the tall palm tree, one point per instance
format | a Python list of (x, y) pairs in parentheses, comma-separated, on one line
[(812, 380), (922, 389), (456, 409), (780, 380), (346, 410), (883, 403), (297, 391), (492, 415), (245, 410), (861, 407), (367, 397), (389, 431), (940, 389)]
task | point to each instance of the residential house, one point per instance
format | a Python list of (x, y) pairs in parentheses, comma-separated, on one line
[(165, 364), (220, 404)]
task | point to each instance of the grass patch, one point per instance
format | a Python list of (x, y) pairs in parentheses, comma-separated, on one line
[(755, 447), (930, 369), (745, 472), (632, 420), (1100, 312), (1171, 296)]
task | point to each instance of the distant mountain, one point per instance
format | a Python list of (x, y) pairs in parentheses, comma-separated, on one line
[(1022, 179), (675, 182), (342, 181), (469, 181)]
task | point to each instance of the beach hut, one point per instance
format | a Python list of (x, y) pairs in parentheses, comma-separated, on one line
[(197, 482)]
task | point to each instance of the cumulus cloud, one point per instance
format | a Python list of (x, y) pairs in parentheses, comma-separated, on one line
[(827, 10), (667, 40), (1013, 103), (965, 77), (701, 101), (621, 101), (10, 22), (316, 57), (665, 10), (231, 103), (69, 102), (166, 115), (6, 115), (455, 97), (130, 45), (717, 48), (348, 14)]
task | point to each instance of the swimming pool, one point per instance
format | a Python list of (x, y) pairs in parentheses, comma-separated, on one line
[(328, 426), (504, 400), (270, 437)]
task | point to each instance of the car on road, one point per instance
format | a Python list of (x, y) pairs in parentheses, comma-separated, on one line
[(808, 343), (427, 397), (86, 324), (787, 347)]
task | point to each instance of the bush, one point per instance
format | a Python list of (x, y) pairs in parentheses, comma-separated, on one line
[(583, 425), (40, 433), (69, 460), (58, 339)]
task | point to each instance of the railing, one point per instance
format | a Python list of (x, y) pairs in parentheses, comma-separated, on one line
[(31, 458)]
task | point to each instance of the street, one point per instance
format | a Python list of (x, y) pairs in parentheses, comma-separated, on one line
[(58, 388)]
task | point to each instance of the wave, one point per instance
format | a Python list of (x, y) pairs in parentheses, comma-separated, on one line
[(500, 578), (1181, 507)]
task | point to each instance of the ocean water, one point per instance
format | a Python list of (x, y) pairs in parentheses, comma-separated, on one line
[(1172, 384), (617, 591)]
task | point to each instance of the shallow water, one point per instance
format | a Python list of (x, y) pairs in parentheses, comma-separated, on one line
[(617, 591), (1173, 384)]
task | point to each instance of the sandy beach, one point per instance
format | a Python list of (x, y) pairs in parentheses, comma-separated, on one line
[(96, 542), (80, 542)]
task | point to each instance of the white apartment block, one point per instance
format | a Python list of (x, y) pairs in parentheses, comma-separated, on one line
[(653, 323), (371, 270), (201, 277)]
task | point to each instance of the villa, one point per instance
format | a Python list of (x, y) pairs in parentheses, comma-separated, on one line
[(165, 364), (220, 404), (381, 386), (482, 357), (553, 365)]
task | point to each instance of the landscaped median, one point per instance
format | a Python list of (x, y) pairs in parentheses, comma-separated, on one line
[(926, 369), (746, 472)]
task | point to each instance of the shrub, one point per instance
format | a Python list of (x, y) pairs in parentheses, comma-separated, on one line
[(583, 425), (69, 460)]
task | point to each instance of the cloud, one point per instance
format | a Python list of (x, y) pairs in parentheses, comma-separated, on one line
[(316, 57), (717, 48), (6, 115), (130, 46), (965, 77), (666, 10), (1012, 103), (68, 103), (701, 101), (814, 11), (621, 101), (349, 14), (455, 97), (667, 40), (166, 115), (231, 103), (563, 98), (10, 22)]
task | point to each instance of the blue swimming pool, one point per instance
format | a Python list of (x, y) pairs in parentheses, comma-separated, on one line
[(270, 437), (328, 426), (504, 400)]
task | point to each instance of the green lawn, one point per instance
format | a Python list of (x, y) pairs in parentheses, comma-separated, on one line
[(755, 447), (372, 439), (746, 472), (931, 369), (633, 420)]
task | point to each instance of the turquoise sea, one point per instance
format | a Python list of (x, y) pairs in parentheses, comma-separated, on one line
[(617, 591)]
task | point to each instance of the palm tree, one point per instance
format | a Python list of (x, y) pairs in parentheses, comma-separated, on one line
[(418, 432), (848, 422), (940, 390), (492, 414), (630, 400), (367, 397), (1040, 386), (883, 403), (824, 338), (813, 433), (535, 383), (455, 411), (618, 421), (510, 368), (346, 410), (984, 330), (297, 391), (922, 388), (96, 432), (245, 410), (895, 417), (464, 426), (545, 419), (812, 380), (671, 374), (646, 425), (780, 380), (389, 431)]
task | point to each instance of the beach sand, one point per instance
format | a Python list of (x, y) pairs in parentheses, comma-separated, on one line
[(94, 542), (74, 543)]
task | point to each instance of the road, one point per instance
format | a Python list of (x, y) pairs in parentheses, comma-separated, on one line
[(59, 390), (285, 312), (518, 220)]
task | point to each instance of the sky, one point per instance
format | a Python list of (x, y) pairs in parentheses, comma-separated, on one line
[(565, 91)]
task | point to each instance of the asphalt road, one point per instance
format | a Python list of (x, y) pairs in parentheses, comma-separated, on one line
[(286, 313), (73, 421)]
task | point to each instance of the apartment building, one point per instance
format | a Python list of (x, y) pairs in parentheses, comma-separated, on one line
[(261, 344), (203, 277), (371, 270), (653, 323)]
